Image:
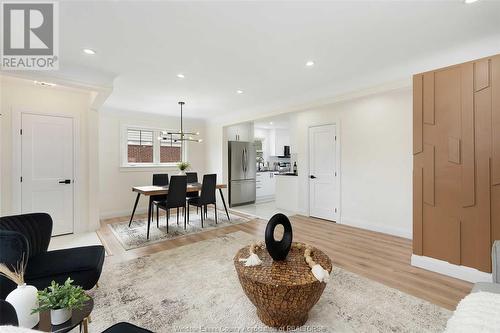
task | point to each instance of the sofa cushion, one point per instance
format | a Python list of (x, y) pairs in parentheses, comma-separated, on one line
[(486, 286), (13, 247), (477, 312), (8, 314), (82, 264), (36, 227)]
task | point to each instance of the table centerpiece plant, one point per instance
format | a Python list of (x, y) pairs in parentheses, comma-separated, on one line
[(183, 166), (61, 300)]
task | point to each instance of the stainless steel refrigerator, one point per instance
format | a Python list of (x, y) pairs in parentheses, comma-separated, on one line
[(241, 173)]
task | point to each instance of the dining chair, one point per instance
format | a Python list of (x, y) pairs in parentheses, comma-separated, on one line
[(207, 196), (192, 177), (159, 179), (176, 198)]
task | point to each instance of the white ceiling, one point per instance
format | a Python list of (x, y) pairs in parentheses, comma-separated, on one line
[(259, 47)]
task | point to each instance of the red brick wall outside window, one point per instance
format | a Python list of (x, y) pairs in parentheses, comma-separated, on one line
[(140, 148), (170, 154), (140, 154)]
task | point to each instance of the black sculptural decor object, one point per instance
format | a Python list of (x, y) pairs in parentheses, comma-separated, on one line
[(278, 250)]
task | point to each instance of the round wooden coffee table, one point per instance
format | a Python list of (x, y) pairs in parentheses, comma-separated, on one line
[(79, 317), (282, 291)]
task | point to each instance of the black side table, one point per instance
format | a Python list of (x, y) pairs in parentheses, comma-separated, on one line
[(78, 318)]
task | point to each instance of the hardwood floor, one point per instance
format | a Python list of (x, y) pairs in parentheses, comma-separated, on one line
[(379, 257)]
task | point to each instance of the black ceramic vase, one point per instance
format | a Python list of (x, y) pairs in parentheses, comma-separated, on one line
[(278, 250)]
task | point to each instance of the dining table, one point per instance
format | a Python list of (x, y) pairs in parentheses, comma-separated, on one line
[(153, 190)]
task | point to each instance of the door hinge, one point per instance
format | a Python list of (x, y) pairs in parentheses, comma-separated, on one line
[(21, 131), (21, 179)]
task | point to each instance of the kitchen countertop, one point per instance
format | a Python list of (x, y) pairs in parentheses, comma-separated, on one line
[(277, 173)]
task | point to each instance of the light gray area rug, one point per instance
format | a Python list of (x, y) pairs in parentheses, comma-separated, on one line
[(195, 288), (135, 236)]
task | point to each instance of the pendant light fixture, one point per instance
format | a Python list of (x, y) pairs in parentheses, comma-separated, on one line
[(181, 136)]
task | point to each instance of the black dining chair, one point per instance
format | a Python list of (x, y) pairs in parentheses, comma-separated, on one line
[(207, 196), (192, 177), (176, 198), (159, 179)]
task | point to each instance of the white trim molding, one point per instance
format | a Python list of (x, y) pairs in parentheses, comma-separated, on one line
[(443, 267), (399, 232)]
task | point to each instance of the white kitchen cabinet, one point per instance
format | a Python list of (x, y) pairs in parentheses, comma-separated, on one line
[(240, 132), (265, 185), (278, 139), (287, 192)]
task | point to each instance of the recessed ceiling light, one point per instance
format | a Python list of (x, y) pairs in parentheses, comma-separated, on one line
[(470, 1), (44, 84), (180, 76), (89, 51), (239, 91), (310, 63), (270, 123)]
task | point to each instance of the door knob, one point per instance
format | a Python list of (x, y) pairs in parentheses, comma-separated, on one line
[(66, 181), (312, 176)]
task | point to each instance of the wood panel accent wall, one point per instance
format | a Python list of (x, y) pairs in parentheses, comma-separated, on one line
[(418, 114), (456, 162)]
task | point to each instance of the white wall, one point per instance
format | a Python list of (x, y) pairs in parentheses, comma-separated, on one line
[(116, 197), (375, 136), (20, 94), (216, 145)]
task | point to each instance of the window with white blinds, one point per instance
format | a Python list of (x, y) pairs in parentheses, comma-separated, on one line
[(140, 146), (143, 148)]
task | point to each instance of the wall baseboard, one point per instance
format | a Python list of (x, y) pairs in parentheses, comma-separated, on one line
[(460, 272), (378, 228)]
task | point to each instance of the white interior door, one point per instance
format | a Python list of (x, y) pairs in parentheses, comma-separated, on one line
[(323, 191), (47, 168)]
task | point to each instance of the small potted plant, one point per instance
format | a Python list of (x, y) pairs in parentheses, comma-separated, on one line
[(183, 166), (61, 300)]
